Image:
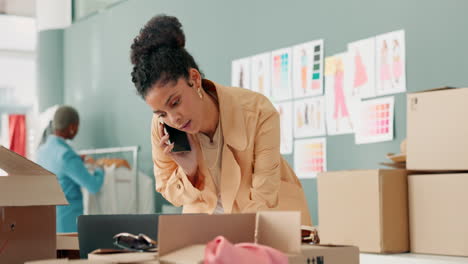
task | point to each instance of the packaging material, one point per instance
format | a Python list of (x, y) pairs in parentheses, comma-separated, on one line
[(68, 261), (123, 256), (438, 220), (68, 246), (182, 238), (364, 208), (437, 130), (28, 195)]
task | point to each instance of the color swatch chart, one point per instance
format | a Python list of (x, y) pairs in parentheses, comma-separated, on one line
[(316, 69), (281, 70), (376, 120), (309, 157)]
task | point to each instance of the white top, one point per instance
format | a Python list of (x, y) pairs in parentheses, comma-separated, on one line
[(212, 154)]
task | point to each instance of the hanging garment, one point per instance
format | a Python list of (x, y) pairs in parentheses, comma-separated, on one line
[(118, 194), (17, 135)]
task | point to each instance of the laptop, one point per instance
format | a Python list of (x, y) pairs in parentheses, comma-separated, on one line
[(97, 231)]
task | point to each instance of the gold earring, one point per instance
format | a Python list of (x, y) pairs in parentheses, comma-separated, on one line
[(200, 93)]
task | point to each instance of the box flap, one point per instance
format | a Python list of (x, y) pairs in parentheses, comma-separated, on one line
[(24, 183), (179, 231), (31, 190), (280, 230), (67, 241), (193, 254), (127, 257), (434, 90), (16, 165)]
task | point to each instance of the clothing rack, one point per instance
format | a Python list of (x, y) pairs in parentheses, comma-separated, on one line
[(133, 149)]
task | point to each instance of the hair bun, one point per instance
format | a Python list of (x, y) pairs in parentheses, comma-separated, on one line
[(160, 31)]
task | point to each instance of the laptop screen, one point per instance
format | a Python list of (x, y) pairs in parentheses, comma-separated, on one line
[(97, 231)]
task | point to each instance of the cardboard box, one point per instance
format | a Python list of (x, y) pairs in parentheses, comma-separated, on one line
[(438, 218), (182, 238), (68, 246), (67, 261), (28, 195), (115, 256), (437, 130), (365, 208)]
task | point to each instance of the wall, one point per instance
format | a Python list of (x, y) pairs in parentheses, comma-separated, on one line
[(97, 68)]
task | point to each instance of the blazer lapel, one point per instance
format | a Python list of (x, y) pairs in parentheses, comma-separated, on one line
[(230, 179)]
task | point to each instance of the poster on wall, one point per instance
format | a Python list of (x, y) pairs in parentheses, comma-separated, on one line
[(281, 64), (286, 130), (375, 122), (340, 102), (309, 117), (362, 68), (308, 69), (310, 157), (390, 63), (261, 77), (240, 73)]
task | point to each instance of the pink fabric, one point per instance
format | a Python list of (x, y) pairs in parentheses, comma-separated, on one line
[(340, 103), (221, 251), (17, 137)]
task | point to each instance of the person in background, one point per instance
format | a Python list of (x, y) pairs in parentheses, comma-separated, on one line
[(234, 165), (58, 157)]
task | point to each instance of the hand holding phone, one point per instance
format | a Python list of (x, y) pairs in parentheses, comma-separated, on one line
[(178, 138), (177, 144)]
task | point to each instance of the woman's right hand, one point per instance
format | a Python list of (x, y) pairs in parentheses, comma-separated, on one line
[(188, 161)]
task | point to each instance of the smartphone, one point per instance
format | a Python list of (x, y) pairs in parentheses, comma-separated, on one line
[(179, 138)]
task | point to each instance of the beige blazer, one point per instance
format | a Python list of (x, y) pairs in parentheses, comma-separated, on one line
[(254, 175)]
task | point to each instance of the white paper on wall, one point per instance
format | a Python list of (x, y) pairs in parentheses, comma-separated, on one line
[(261, 77), (286, 123), (240, 73), (390, 63), (308, 69), (362, 68), (375, 122), (310, 157), (281, 65), (309, 117)]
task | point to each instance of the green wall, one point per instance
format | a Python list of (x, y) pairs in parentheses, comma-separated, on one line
[(50, 71), (97, 68)]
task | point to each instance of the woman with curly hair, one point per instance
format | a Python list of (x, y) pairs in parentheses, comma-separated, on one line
[(234, 165)]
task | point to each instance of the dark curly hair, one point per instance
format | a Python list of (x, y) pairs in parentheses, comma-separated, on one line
[(158, 54)]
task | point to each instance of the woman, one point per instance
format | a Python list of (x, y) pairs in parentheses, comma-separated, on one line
[(58, 157), (235, 164)]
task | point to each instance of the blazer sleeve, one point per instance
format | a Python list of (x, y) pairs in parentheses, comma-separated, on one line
[(266, 176), (171, 180)]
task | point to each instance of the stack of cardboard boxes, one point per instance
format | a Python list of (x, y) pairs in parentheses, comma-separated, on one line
[(437, 133), (418, 209)]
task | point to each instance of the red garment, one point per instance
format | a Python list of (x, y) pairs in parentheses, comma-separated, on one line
[(221, 251), (17, 137)]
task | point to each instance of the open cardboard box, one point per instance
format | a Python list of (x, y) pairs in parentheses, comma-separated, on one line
[(28, 195), (182, 238), (68, 246)]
